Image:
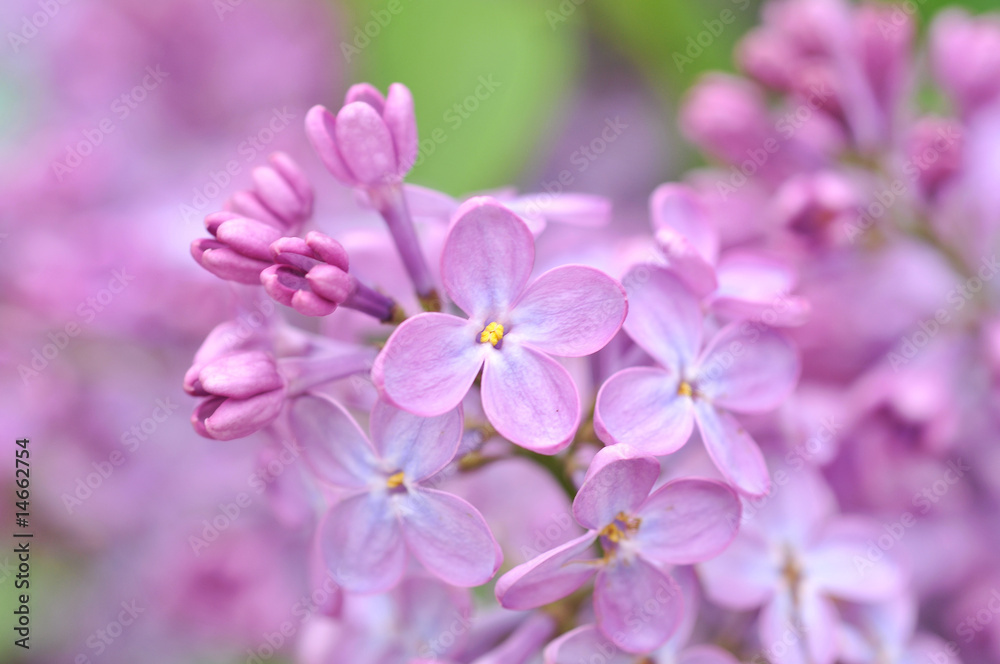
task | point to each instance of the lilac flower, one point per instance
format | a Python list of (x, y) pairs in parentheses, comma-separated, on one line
[(794, 556), (431, 360), (282, 196), (389, 510), (744, 368), (240, 250), (311, 277), (638, 605)]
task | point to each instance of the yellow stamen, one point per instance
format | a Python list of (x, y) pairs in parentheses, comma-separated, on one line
[(394, 481), (614, 532), (685, 389), (493, 334)]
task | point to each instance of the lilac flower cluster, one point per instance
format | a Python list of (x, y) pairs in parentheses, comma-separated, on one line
[(816, 308)]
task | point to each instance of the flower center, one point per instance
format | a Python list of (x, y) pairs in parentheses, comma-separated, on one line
[(685, 389), (493, 334), (394, 481), (618, 530)]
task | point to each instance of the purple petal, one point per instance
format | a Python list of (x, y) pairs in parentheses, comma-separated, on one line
[(328, 250), (275, 192), (241, 375), (640, 407), (638, 607), (402, 123), (223, 418), (249, 237), (617, 481), (248, 204), (549, 577), (429, 363), (449, 537), (331, 283), (664, 316), (679, 208), (362, 543), (755, 286), (685, 260), (367, 93), (744, 576), (333, 444), (748, 370), (296, 179), (688, 521), (585, 644), (570, 311), (225, 263), (849, 563), (418, 446), (487, 258), (734, 452), (529, 398), (365, 144), (321, 127)]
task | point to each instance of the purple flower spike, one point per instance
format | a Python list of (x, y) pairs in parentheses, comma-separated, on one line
[(389, 510), (512, 328), (372, 140), (240, 250), (745, 368), (311, 277), (682, 522), (281, 197), (245, 393)]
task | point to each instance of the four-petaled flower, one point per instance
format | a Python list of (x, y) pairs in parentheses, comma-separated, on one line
[(745, 368), (432, 359), (638, 605), (387, 508)]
